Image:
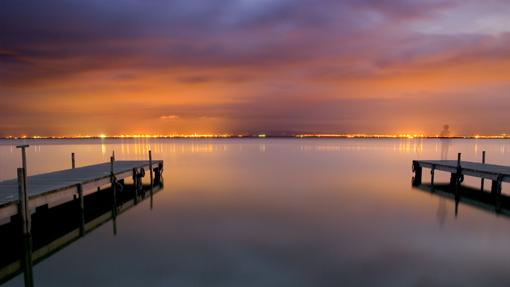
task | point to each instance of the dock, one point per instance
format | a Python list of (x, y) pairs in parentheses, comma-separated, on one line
[(55, 188), (497, 174)]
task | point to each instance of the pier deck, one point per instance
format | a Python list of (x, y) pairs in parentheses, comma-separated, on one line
[(475, 169), (458, 169), (58, 187)]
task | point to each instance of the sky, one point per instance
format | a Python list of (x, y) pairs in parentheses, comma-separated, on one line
[(254, 66)]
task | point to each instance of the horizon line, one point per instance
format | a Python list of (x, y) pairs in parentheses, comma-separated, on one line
[(261, 135)]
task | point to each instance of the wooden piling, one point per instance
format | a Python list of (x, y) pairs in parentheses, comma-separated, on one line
[(73, 163), (482, 180), (150, 169), (432, 175), (417, 174), (24, 209), (82, 209), (113, 183), (135, 185), (151, 176), (458, 175)]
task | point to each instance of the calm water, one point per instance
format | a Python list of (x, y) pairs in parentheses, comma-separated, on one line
[(281, 212)]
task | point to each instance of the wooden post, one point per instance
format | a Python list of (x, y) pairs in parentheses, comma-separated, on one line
[(82, 209), (151, 176), (24, 164), (482, 180), (24, 209), (496, 191), (73, 163), (113, 182), (417, 173), (432, 175), (114, 191), (150, 167), (458, 176), (135, 185)]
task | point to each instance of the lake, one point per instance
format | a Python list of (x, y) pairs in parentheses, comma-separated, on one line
[(280, 212)]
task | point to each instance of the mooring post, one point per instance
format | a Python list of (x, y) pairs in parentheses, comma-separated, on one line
[(73, 164), (417, 169), (23, 208), (82, 209), (482, 180)]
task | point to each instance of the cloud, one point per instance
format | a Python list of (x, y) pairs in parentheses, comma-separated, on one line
[(245, 63), (169, 117)]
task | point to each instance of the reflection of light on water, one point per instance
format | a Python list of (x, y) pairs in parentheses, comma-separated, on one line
[(262, 147), (103, 149)]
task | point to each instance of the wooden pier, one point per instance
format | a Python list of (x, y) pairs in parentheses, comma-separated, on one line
[(458, 169), (55, 188)]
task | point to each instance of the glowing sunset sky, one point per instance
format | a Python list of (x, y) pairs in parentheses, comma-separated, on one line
[(225, 66)]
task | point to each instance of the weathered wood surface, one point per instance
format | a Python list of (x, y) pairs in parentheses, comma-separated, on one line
[(57, 187), (476, 169)]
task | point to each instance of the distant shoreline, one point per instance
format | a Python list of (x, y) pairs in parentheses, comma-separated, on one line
[(212, 137)]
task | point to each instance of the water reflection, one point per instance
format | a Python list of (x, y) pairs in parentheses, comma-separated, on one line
[(282, 212), (495, 204), (57, 227)]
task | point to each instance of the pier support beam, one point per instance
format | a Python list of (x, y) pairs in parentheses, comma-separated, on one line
[(159, 171), (496, 191), (432, 175), (150, 169), (82, 209), (482, 180), (417, 169), (459, 177), (135, 185)]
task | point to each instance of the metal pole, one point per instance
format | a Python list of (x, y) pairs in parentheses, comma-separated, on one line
[(483, 162), (73, 163)]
